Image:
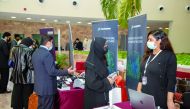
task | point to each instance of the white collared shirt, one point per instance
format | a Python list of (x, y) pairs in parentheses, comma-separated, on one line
[(44, 47)]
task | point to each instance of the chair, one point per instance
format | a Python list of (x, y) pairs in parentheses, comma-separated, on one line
[(80, 67)]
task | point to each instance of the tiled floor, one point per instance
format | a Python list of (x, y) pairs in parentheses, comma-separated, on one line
[(5, 101)]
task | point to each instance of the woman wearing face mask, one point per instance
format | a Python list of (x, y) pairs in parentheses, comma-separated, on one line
[(97, 82), (158, 70)]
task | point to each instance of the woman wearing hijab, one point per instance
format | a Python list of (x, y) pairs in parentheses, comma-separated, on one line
[(97, 82)]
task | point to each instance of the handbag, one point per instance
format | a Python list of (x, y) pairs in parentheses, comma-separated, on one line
[(33, 101)]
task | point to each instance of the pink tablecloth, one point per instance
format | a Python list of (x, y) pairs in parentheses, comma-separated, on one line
[(74, 99), (71, 99), (124, 105)]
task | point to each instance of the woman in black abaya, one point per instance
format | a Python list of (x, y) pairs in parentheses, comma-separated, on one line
[(97, 83)]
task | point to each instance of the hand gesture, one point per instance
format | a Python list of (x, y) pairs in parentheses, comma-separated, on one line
[(71, 71), (111, 80)]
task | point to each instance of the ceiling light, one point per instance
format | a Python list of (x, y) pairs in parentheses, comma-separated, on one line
[(67, 21), (28, 18), (147, 27), (55, 20), (89, 23), (166, 28), (43, 19), (79, 22), (160, 28), (13, 17)]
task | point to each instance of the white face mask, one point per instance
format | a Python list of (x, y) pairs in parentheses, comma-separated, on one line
[(151, 45), (50, 48), (30, 47)]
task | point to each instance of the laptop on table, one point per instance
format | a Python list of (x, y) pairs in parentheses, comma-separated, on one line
[(141, 100)]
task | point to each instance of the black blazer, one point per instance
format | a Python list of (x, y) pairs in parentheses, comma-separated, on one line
[(4, 54)]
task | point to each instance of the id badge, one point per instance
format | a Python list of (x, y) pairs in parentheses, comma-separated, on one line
[(144, 80)]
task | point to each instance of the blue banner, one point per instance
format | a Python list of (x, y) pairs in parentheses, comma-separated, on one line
[(136, 43), (108, 30)]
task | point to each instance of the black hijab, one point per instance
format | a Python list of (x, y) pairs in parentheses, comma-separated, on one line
[(27, 41), (96, 59)]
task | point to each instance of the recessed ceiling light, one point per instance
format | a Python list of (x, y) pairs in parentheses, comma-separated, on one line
[(28, 18), (55, 20), (13, 17), (147, 27), (79, 22), (67, 21), (43, 19), (166, 28), (160, 28), (89, 23)]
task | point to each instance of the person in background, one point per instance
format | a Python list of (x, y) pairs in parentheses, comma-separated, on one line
[(22, 74), (97, 82), (36, 44), (45, 73), (19, 41), (4, 57), (14, 42), (78, 45), (158, 70)]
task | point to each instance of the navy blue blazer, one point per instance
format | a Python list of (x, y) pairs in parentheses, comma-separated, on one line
[(45, 72)]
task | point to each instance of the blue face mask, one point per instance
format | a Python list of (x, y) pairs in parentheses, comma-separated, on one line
[(151, 45)]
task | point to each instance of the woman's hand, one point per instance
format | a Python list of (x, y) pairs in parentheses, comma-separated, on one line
[(171, 104), (111, 80)]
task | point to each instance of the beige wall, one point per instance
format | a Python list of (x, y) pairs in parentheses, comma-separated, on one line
[(179, 28), (29, 28)]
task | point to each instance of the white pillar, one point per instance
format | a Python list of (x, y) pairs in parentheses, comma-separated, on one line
[(59, 40)]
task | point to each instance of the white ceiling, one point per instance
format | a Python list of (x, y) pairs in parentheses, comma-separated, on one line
[(49, 19), (73, 20)]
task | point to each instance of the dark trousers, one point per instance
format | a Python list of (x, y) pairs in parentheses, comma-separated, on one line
[(45, 102), (4, 73), (20, 95)]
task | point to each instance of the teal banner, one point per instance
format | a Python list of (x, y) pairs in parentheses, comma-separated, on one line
[(136, 43)]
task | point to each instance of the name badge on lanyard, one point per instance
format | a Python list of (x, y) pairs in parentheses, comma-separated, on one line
[(144, 78)]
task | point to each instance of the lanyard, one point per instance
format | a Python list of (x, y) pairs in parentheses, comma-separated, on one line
[(147, 62)]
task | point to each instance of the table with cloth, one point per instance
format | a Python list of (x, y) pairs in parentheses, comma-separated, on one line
[(70, 99), (67, 99)]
